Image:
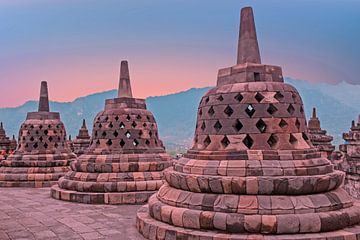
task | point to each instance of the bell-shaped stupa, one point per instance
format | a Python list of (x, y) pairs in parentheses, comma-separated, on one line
[(318, 136), (252, 170), (6, 145), (42, 155), (125, 160), (82, 140)]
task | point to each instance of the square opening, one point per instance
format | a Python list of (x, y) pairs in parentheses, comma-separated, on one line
[(257, 77)]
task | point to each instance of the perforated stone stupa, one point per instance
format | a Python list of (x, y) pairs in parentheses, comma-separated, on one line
[(125, 160), (318, 136), (82, 140), (6, 144), (42, 155), (252, 172)]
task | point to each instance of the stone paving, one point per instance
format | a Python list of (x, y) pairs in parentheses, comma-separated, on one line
[(32, 214)]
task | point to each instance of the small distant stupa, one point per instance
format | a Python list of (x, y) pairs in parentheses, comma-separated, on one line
[(6, 145), (42, 155), (318, 137), (125, 160), (82, 141), (252, 172)]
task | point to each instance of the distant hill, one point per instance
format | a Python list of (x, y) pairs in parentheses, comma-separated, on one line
[(176, 113)]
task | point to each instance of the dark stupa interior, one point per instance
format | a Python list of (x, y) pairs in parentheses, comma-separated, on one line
[(252, 172), (125, 160), (42, 155)]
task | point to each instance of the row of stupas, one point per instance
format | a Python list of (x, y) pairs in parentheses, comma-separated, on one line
[(252, 172)]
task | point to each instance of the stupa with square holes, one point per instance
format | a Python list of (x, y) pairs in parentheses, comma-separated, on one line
[(252, 172), (42, 155), (125, 160), (318, 136), (82, 141)]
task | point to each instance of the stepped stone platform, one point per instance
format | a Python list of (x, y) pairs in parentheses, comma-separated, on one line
[(252, 172), (42, 155), (318, 136), (28, 213), (125, 160)]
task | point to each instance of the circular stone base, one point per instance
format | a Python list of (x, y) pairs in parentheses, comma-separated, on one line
[(27, 184), (153, 229), (112, 198)]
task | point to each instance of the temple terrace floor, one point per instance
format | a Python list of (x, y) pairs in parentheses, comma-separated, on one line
[(27, 213)]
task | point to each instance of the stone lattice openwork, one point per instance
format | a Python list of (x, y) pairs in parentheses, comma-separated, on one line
[(125, 160), (252, 172), (82, 141), (42, 155), (318, 137)]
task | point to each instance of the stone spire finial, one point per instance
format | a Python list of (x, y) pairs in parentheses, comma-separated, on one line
[(314, 113), (44, 98), (248, 48), (124, 81), (83, 124), (1, 125)]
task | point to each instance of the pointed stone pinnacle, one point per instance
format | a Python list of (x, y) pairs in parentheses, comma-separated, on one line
[(314, 113), (352, 123), (124, 81), (1, 125), (83, 124), (44, 98), (248, 48)]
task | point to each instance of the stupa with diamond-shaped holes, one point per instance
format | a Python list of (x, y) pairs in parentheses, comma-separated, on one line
[(42, 155), (82, 141), (252, 172), (318, 136), (125, 160)]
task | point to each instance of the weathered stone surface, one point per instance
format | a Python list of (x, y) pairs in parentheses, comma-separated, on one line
[(125, 159), (42, 155), (252, 172), (7, 145), (82, 141)]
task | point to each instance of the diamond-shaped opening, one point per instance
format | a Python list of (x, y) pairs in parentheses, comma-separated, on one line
[(239, 97), (237, 125), (278, 96), (207, 100), (116, 133), (250, 110), (106, 118), (272, 140), (148, 118), (32, 139), (292, 139), (103, 134), (272, 109), (297, 123), (220, 98), (122, 125), (122, 143), (41, 138), (46, 145), (32, 126), (150, 133), (127, 134), (135, 142), (57, 126), (217, 126), (117, 118), (225, 142), (111, 125), (100, 125), (291, 109), (305, 137), (49, 126), (156, 142), (50, 139), (248, 141), (261, 126), (138, 117), (200, 112), (134, 124), (211, 111), (96, 134), (228, 111), (147, 142), (57, 145), (36, 132), (46, 132), (207, 141), (301, 109), (40, 127), (203, 126), (140, 133), (128, 118), (283, 123), (259, 97), (109, 142)]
